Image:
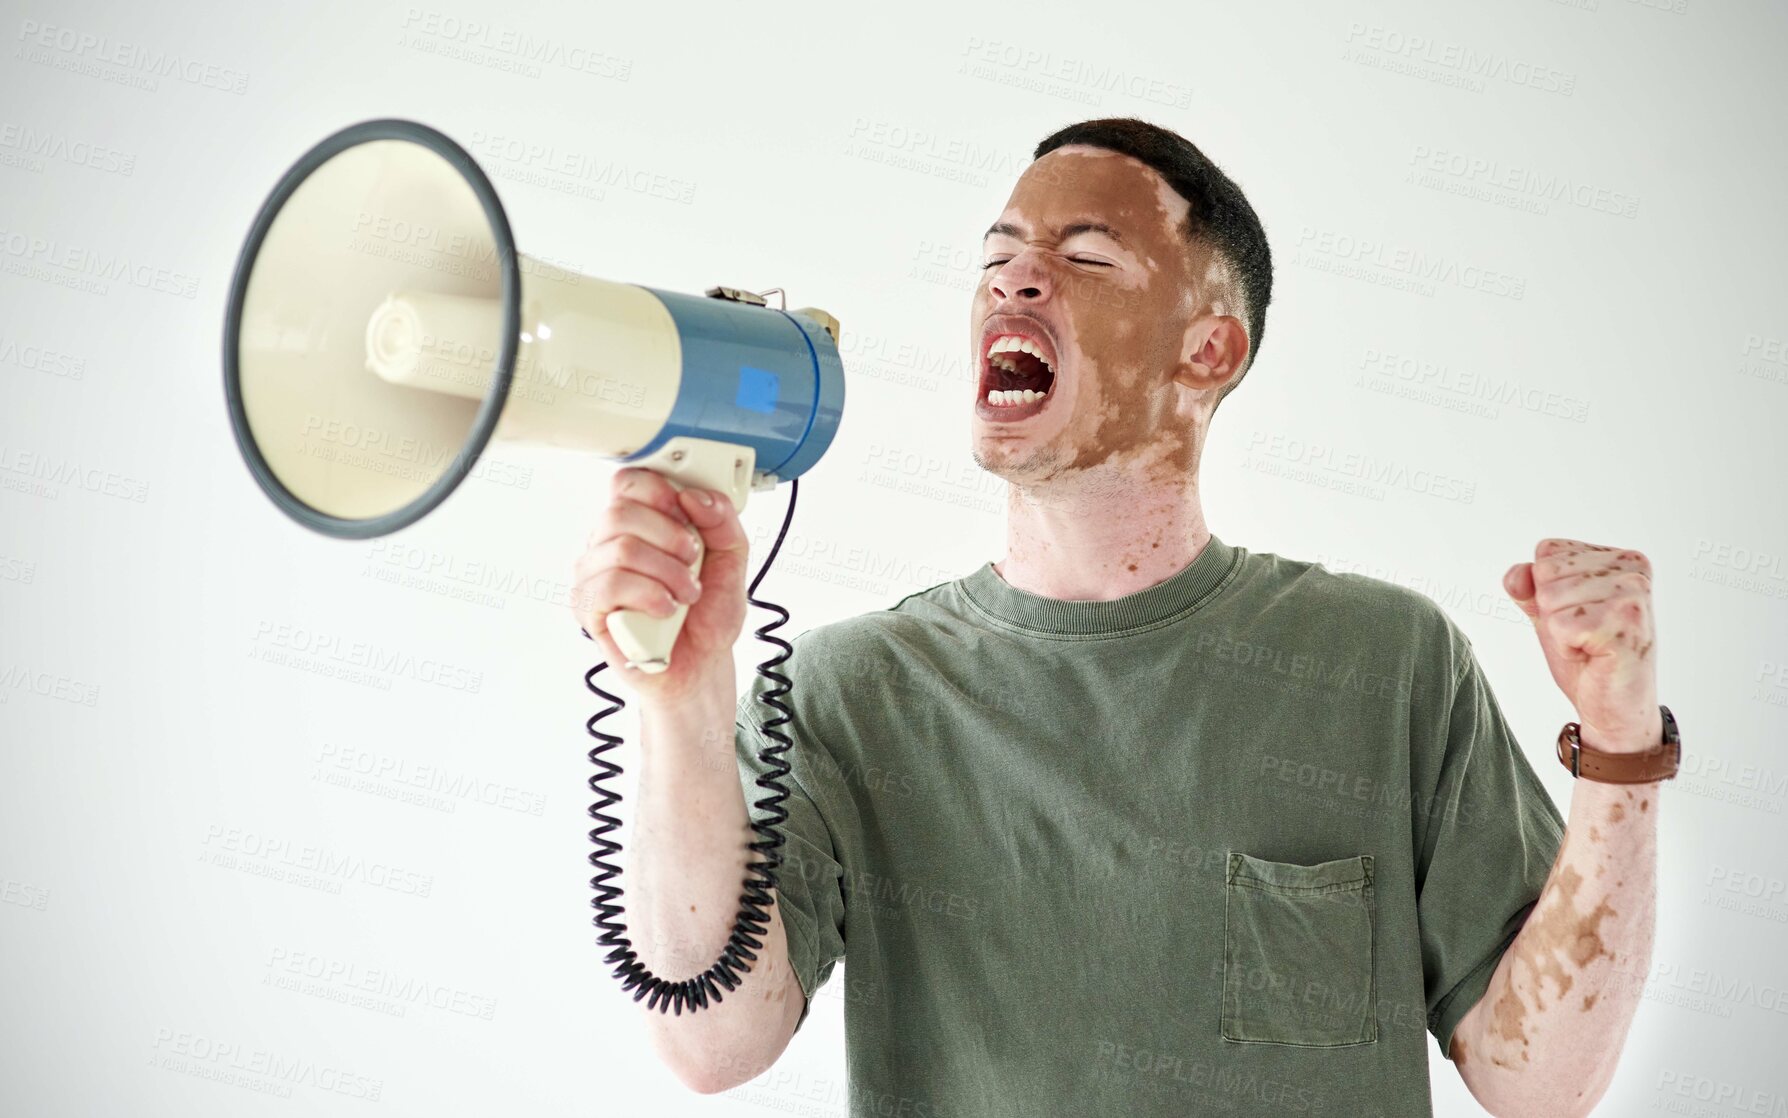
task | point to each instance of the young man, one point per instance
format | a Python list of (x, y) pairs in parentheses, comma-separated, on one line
[(1134, 820)]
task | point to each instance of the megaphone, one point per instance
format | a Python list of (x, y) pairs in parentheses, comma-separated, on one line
[(382, 329)]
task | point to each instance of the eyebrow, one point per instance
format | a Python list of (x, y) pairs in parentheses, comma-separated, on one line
[(1062, 234)]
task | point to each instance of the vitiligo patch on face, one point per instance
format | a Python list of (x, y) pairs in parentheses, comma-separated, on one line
[(1120, 352)]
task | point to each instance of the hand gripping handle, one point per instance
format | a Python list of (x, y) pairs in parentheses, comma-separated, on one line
[(683, 461)]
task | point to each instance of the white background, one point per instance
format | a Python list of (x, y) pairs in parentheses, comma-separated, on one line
[(1410, 418)]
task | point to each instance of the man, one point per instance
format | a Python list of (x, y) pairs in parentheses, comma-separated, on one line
[(1137, 821)]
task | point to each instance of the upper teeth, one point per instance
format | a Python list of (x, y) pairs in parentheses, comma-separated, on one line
[(1012, 343)]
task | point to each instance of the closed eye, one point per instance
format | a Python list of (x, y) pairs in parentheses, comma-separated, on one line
[(1075, 259)]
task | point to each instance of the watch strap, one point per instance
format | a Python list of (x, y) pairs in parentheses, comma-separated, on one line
[(1645, 767)]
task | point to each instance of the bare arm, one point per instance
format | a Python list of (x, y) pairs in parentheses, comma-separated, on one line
[(685, 873), (690, 851), (1546, 1035)]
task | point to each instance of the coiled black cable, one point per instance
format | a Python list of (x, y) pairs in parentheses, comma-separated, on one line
[(741, 949)]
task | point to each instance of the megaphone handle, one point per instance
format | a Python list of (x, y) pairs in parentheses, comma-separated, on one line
[(683, 461)]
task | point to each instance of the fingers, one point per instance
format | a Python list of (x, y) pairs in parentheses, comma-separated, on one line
[(626, 572), (717, 520), (617, 589), (1564, 592), (637, 484), (1570, 573), (653, 547), (1565, 562), (628, 517)]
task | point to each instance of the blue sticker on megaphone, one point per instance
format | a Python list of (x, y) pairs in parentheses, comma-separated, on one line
[(757, 389)]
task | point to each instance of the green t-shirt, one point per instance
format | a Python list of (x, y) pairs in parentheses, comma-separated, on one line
[(1233, 842)]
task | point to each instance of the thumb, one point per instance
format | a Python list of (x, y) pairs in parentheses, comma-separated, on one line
[(1518, 582)]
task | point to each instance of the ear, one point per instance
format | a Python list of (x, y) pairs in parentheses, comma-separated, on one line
[(1215, 349)]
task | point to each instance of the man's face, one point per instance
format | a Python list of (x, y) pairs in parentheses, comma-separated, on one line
[(1111, 310)]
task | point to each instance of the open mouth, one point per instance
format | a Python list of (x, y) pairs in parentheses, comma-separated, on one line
[(1015, 374)]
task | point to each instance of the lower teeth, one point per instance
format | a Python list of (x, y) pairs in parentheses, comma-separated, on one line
[(1013, 397)]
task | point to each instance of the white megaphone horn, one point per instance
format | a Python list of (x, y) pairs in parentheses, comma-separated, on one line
[(382, 329)]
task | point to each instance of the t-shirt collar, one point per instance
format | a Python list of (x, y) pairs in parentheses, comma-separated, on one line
[(1181, 593)]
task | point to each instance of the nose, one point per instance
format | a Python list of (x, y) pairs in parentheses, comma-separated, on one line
[(1022, 278)]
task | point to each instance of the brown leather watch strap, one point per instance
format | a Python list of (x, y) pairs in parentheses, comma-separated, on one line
[(1622, 768)]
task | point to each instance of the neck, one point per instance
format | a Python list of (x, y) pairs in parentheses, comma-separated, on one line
[(1102, 535)]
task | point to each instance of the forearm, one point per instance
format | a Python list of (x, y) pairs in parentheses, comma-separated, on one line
[(1548, 1032), (690, 848)]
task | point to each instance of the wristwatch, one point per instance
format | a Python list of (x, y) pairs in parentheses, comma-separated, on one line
[(1622, 768)]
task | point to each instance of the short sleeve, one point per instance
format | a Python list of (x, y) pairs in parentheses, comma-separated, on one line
[(810, 881), (1488, 843)]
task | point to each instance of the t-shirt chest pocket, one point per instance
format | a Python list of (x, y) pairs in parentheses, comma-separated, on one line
[(1298, 952)]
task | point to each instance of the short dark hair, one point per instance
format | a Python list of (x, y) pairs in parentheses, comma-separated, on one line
[(1220, 214)]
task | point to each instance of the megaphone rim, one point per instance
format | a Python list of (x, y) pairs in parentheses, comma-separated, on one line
[(490, 411)]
